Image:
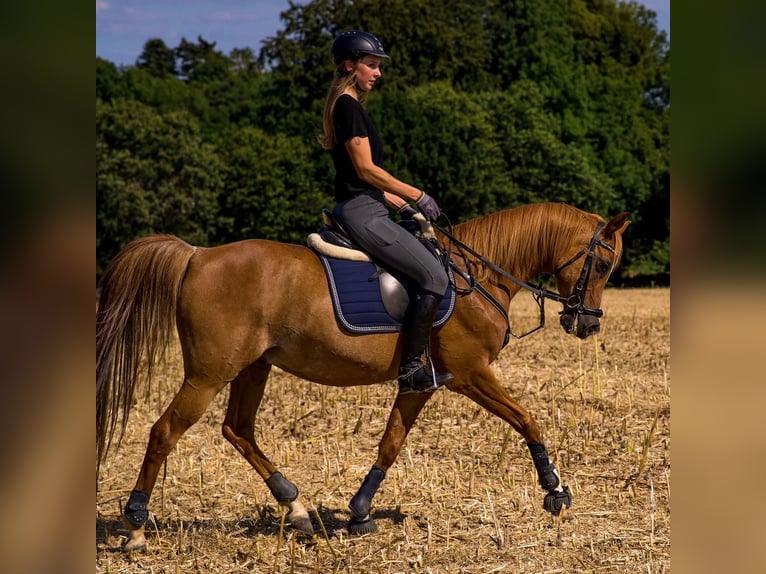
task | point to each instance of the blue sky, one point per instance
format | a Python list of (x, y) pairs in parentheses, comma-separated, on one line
[(123, 26)]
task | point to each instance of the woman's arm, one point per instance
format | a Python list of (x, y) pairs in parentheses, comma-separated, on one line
[(394, 201), (361, 156)]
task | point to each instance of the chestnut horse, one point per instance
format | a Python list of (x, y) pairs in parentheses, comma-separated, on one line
[(240, 308)]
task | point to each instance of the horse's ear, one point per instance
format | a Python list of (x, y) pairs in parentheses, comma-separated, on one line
[(617, 224)]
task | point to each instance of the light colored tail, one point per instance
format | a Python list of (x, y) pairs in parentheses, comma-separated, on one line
[(135, 319)]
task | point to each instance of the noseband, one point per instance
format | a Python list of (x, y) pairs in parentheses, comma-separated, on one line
[(574, 305)]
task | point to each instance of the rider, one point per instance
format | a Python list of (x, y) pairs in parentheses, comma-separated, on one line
[(364, 190)]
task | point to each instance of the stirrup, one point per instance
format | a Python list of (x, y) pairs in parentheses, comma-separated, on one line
[(408, 385)]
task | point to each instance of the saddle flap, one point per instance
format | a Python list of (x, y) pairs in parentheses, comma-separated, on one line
[(357, 290)]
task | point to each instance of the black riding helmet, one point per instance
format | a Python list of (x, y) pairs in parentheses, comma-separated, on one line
[(353, 44)]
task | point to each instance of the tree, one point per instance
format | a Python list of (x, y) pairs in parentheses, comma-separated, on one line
[(157, 59), (444, 141), (540, 166), (244, 61), (274, 184), (109, 81), (153, 175), (200, 61), (487, 103), (162, 94)]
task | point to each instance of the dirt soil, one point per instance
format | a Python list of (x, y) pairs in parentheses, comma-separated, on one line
[(463, 495)]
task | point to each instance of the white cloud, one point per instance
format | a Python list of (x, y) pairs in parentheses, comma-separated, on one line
[(102, 5)]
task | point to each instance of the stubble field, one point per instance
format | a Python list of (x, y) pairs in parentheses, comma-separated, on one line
[(463, 495)]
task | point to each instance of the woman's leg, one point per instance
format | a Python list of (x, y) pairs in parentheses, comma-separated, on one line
[(367, 221)]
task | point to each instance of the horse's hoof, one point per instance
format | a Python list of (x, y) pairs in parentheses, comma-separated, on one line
[(298, 517), (303, 525), (135, 541), (364, 525), (558, 502)]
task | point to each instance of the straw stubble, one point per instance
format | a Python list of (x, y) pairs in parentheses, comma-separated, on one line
[(463, 494)]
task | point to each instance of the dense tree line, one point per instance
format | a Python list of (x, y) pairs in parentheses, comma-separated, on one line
[(488, 104)]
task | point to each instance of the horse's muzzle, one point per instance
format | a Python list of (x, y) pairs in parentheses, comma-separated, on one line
[(586, 325), (567, 321)]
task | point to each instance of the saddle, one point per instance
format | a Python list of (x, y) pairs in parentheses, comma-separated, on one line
[(332, 240), (366, 297)]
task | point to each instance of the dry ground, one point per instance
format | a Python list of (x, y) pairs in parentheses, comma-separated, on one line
[(463, 495)]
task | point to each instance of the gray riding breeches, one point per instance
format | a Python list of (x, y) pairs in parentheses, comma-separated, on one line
[(367, 221)]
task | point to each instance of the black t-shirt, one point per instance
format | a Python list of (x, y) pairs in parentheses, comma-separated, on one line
[(351, 120)]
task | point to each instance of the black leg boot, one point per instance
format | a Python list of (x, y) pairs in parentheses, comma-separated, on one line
[(413, 376)]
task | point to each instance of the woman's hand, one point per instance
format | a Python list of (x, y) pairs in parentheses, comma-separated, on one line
[(407, 211), (428, 207)]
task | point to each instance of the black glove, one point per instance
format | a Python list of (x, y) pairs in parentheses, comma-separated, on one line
[(428, 207), (407, 211)]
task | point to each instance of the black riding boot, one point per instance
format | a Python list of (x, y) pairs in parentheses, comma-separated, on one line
[(413, 376)]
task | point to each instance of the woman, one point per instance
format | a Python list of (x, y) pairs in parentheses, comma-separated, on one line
[(364, 191)]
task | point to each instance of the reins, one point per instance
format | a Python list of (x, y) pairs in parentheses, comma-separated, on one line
[(572, 304)]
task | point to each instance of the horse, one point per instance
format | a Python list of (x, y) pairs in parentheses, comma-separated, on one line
[(241, 308)]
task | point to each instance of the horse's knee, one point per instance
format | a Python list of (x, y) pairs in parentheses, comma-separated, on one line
[(392, 442), (161, 439), (231, 435), (528, 428)]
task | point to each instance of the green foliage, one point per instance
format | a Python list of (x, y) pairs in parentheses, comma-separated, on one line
[(153, 175), (650, 261), (110, 82), (486, 104), (444, 141), (157, 59), (541, 166), (272, 190)]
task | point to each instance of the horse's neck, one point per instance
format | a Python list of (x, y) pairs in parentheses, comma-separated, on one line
[(520, 245)]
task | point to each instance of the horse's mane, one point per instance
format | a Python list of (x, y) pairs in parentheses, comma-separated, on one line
[(521, 237)]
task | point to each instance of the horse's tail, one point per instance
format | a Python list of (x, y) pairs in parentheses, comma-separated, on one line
[(135, 319)]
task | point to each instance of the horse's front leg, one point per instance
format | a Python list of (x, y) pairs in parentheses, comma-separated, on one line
[(403, 414), (482, 388)]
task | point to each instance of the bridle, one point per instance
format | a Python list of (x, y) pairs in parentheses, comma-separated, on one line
[(574, 305)]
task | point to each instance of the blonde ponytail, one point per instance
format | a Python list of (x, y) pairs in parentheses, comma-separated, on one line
[(340, 83)]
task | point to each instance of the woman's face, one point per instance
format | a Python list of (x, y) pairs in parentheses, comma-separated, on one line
[(367, 72)]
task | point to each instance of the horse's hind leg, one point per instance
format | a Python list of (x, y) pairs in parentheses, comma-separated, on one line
[(238, 428), (185, 409), (487, 392), (403, 414)]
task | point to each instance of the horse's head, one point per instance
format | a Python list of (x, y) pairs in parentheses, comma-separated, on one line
[(582, 273)]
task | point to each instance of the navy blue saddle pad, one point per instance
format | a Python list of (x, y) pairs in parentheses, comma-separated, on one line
[(356, 298)]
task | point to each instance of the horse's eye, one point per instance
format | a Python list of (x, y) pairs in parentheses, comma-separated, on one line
[(602, 266)]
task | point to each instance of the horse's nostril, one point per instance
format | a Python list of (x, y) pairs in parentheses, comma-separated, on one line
[(567, 322), (592, 329), (587, 326)]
